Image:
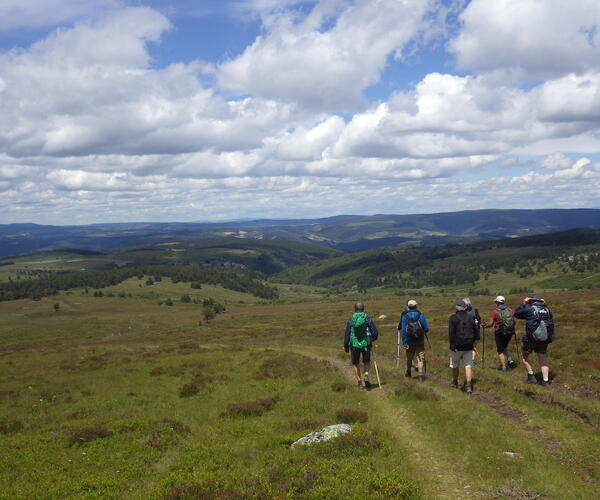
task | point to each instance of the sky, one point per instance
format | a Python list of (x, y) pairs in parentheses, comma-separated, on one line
[(211, 110)]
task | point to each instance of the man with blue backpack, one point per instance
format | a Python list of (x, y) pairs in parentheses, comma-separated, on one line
[(414, 327), (539, 332), (358, 340)]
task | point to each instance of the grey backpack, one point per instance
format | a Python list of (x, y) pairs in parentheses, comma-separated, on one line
[(542, 315)]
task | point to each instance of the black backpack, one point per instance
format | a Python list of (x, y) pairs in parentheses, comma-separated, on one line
[(465, 330), (414, 329)]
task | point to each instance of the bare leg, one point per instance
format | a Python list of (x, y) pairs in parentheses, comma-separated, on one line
[(366, 368), (420, 359), (543, 360), (455, 374), (525, 359), (502, 357), (468, 374), (356, 369)]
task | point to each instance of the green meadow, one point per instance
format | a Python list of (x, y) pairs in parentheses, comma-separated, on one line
[(120, 397)]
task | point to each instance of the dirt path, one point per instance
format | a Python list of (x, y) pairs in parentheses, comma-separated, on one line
[(436, 474)]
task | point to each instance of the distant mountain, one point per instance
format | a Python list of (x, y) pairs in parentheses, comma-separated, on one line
[(344, 232)]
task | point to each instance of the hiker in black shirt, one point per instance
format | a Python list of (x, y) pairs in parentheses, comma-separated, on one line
[(463, 335)]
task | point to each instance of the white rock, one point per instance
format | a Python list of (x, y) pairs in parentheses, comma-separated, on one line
[(324, 434)]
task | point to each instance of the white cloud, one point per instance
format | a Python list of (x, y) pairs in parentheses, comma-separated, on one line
[(529, 38), (306, 61)]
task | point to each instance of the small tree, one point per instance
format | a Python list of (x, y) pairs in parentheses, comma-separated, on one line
[(56, 307)]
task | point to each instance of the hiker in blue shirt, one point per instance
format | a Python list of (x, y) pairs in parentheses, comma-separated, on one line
[(413, 326), (539, 332), (360, 334)]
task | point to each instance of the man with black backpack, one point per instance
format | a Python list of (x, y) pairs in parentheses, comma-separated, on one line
[(539, 332), (358, 339), (503, 321), (463, 334), (414, 327)]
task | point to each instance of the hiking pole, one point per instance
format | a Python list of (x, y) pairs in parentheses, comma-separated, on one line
[(398, 351), (517, 346), (377, 373), (483, 353)]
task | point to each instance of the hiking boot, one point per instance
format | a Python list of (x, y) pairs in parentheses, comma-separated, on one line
[(545, 383), (531, 378), (407, 374), (502, 368), (367, 382), (421, 377), (360, 385), (454, 384), (468, 388), (512, 365)]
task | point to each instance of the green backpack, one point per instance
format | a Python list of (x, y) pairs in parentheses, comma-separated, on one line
[(506, 322), (359, 333)]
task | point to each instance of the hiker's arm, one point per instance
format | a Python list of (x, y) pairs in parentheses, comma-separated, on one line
[(522, 311), (423, 322), (373, 329), (451, 333), (347, 336), (492, 320)]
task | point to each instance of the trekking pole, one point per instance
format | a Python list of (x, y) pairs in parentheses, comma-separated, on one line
[(376, 370), (398, 352), (517, 345), (483, 351)]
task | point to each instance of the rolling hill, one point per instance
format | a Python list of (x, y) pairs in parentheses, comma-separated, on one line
[(346, 232)]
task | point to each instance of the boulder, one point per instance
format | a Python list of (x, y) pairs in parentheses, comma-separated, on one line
[(324, 434)]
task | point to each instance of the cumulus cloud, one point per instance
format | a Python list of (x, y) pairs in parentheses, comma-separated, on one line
[(322, 62), (529, 39)]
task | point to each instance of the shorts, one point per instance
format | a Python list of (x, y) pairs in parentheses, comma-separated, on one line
[(502, 341), (456, 356), (537, 347), (355, 356), (417, 348)]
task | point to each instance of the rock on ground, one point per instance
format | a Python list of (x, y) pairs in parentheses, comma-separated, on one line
[(324, 434)]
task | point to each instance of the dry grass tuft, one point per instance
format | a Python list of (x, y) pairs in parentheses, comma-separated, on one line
[(11, 426)]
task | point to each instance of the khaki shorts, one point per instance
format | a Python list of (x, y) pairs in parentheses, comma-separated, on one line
[(466, 356)]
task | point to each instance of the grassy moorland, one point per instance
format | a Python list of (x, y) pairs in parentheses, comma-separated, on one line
[(118, 397)]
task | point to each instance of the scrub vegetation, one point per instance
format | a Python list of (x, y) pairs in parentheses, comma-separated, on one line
[(110, 398)]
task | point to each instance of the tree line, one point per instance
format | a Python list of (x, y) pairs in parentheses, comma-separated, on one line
[(51, 284)]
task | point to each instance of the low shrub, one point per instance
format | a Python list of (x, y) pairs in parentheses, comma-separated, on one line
[(189, 390), (252, 408), (350, 416), (11, 426), (86, 434), (339, 387)]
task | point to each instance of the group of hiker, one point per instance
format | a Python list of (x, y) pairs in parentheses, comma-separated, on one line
[(464, 332)]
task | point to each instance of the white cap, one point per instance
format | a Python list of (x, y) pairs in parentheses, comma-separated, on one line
[(500, 298), (411, 303)]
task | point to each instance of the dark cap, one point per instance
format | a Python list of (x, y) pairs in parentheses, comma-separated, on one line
[(534, 296)]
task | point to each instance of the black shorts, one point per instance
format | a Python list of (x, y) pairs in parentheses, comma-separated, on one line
[(502, 341), (355, 354), (537, 347)]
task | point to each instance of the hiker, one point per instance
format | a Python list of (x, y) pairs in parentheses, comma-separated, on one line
[(475, 314), (413, 326), (463, 335), (539, 332), (503, 321), (358, 339)]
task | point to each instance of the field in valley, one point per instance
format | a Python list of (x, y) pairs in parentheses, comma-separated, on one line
[(119, 397)]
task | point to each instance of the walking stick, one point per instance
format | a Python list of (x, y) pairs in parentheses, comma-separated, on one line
[(377, 373), (483, 353), (398, 352), (517, 345)]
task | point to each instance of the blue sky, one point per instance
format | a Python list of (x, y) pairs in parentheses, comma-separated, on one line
[(177, 110)]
